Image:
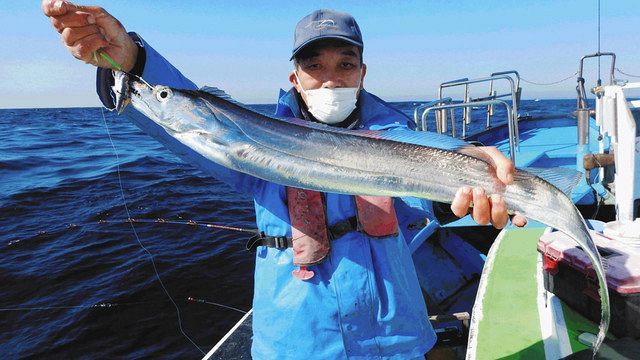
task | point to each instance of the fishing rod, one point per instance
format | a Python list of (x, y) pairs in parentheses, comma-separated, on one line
[(74, 226), (107, 305)]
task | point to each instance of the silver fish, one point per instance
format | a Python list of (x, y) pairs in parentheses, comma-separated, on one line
[(205, 126)]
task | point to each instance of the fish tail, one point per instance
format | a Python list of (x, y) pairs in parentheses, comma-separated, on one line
[(605, 312)]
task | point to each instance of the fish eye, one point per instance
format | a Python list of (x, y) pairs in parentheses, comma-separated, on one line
[(163, 94)]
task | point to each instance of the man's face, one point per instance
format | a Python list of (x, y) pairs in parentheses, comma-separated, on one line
[(329, 67)]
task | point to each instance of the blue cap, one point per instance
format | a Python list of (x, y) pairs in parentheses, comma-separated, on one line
[(326, 24)]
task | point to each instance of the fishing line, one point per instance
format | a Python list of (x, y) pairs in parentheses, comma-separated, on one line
[(215, 303), (99, 305), (117, 66), (624, 73), (551, 83), (133, 228)]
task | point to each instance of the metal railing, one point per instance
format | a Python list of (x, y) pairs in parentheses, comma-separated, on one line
[(511, 123), (582, 108), (511, 76), (503, 75), (582, 95), (416, 117)]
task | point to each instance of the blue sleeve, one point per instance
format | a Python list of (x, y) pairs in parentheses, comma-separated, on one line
[(157, 70)]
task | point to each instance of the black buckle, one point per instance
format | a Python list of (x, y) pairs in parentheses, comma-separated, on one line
[(280, 242), (254, 242)]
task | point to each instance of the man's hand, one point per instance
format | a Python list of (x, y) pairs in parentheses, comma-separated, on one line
[(488, 208), (87, 29)]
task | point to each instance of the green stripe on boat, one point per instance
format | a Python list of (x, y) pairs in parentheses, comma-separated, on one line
[(506, 320), (508, 326)]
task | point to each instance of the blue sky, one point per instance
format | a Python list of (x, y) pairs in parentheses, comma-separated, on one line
[(410, 46)]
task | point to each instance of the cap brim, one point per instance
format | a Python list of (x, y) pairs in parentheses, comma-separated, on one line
[(322, 37)]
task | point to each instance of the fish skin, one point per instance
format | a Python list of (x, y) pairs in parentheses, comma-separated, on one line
[(318, 157)]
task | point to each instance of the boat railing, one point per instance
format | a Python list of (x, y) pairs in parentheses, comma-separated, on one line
[(442, 116), (511, 123), (416, 112), (511, 76), (582, 111)]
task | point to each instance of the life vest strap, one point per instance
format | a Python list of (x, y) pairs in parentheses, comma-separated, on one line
[(342, 227), (282, 242), (278, 242)]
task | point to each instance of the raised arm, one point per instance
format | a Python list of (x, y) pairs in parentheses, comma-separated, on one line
[(87, 29)]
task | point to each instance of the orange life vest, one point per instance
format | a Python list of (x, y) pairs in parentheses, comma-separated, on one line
[(310, 233)]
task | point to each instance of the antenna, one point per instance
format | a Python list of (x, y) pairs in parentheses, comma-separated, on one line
[(599, 75)]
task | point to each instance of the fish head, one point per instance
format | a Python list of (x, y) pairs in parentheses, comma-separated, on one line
[(173, 109), (155, 101)]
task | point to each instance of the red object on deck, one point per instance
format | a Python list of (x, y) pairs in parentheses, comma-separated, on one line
[(569, 274), (550, 265)]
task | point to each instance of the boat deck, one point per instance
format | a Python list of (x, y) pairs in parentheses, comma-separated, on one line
[(546, 327), (547, 143), (236, 344)]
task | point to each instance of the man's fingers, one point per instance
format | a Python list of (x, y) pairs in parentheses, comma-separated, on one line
[(481, 209), (505, 169), (54, 7), (499, 216), (72, 19), (462, 201), (61, 7), (85, 48), (519, 220), (86, 29), (71, 36), (492, 209)]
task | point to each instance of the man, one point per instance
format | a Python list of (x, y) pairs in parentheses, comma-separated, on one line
[(348, 288)]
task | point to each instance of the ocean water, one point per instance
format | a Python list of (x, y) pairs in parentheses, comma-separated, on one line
[(73, 287)]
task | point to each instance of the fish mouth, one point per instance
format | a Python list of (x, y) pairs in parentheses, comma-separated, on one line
[(126, 86), (140, 95), (120, 105), (120, 90)]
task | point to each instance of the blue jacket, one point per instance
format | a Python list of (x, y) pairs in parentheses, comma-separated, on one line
[(364, 301)]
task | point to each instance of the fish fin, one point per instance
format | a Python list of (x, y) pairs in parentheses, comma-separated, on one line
[(424, 138), (399, 134), (220, 93), (562, 178)]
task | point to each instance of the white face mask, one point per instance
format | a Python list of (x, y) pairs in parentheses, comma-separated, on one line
[(331, 106)]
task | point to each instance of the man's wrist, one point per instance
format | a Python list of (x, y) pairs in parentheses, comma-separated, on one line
[(136, 62)]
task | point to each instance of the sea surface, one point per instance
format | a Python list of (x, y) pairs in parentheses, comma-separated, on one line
[(74, 280)]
